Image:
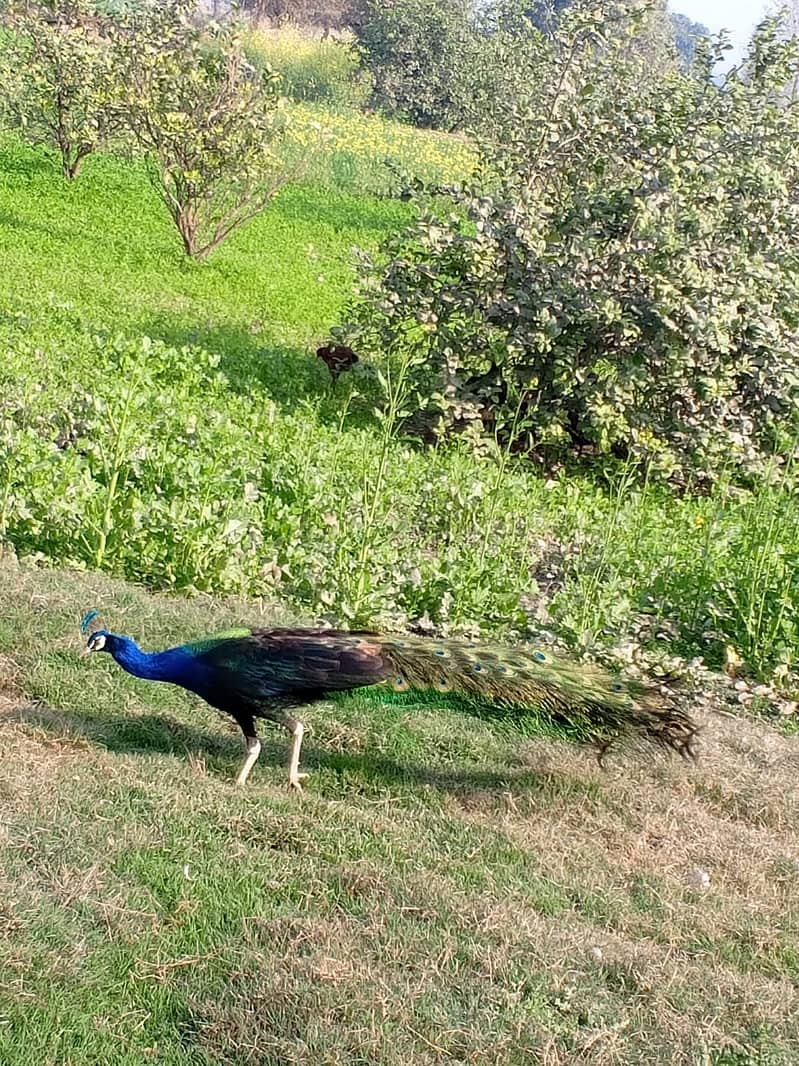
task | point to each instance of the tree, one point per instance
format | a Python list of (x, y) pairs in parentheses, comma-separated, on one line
[(326, 14), (420, 55), (663, 28), (209, 123), (625, 284), (686, 35), (543, 14), (62, 65)]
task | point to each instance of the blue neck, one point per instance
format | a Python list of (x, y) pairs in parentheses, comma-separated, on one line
[(170, 665)]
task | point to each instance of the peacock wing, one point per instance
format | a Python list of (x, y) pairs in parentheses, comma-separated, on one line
[(263, 664)]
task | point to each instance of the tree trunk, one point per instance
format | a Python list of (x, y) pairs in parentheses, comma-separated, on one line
[(186, 222), (71, 164), (71, 167)]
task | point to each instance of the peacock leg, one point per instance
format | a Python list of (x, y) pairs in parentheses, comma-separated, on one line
[(297, 730), (253, 750)]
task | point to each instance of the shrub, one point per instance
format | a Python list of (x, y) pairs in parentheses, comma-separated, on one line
[(61, 69), (209, 122), (9, 77), (627, 285), (421, 55), (154, 467)]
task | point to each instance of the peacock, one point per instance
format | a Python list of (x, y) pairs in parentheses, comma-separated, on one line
[(269, 673)]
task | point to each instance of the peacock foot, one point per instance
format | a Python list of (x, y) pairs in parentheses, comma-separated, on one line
[(295, 781)]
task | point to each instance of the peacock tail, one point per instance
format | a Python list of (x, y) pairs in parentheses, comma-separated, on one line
[(581, 699)]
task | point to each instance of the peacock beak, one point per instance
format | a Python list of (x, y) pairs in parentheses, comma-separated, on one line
[(84, 652)]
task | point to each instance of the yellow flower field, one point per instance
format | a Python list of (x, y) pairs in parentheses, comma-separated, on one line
[(363, 149)]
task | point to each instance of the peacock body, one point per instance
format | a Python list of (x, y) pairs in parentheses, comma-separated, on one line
[(268, 673)]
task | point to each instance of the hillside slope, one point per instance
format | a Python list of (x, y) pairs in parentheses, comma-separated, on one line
[(440, 893)]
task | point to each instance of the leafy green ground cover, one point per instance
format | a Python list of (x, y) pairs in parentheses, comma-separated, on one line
[(169, 422)]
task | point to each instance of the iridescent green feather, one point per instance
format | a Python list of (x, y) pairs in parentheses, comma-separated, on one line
[(515, 682), (199, 647)]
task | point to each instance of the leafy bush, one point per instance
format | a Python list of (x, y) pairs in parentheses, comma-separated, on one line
[(319, 71), (209, 122), (9, 77), (154, 467), (421, 55), (59, 78), (627, 283)]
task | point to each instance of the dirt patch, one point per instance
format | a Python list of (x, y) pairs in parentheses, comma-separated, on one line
[(34, 757)]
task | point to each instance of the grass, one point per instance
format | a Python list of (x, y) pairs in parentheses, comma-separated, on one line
[(282, 279), (237, 467), (440, 893)]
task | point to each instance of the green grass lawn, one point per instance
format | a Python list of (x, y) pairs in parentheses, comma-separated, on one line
[(103, 248), (440, 892), (216, 455)]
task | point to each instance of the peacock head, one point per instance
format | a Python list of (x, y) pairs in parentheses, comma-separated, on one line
[(99, 641)]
